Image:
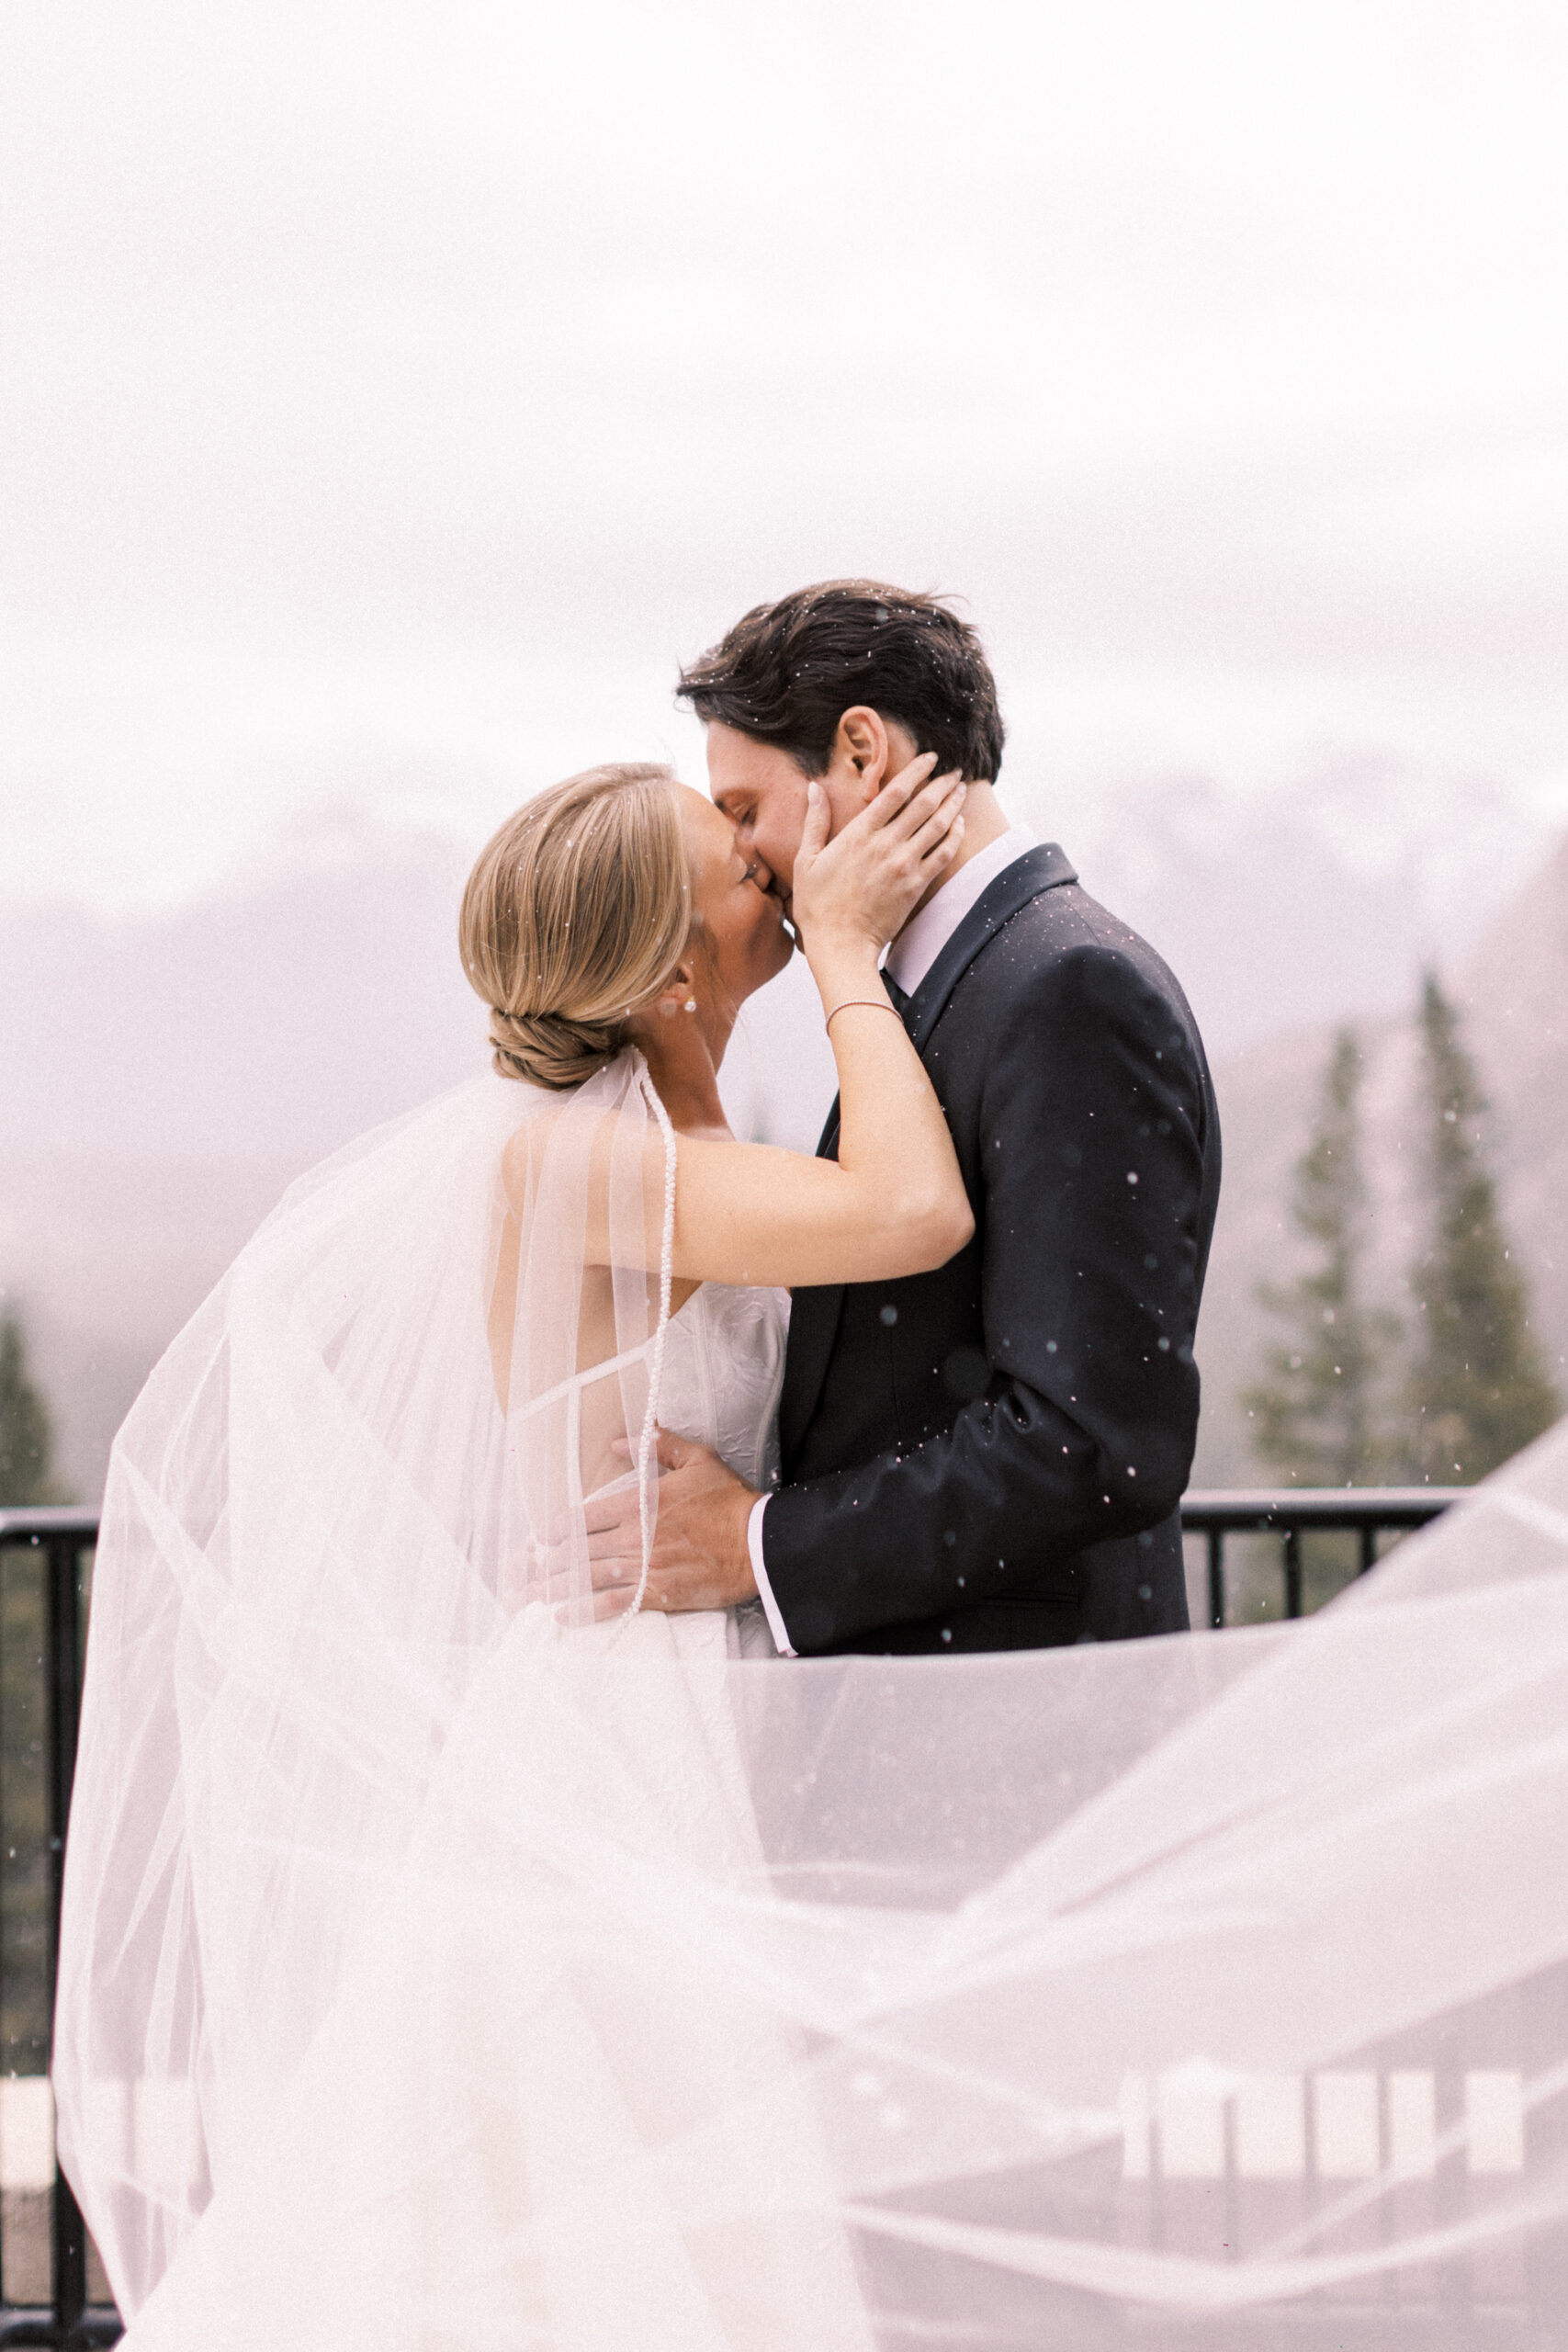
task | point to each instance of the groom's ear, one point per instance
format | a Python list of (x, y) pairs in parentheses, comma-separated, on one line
[(860, 761)]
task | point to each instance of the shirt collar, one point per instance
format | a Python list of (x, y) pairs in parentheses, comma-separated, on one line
[(926, 933)]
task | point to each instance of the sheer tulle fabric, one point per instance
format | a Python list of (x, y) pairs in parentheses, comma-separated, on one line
[(440, 1968)]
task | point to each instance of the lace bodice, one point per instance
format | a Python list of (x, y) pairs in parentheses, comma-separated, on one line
[(724, 1355), (722, 1372)]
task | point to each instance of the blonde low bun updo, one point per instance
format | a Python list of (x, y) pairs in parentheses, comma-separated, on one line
[(574, 914)]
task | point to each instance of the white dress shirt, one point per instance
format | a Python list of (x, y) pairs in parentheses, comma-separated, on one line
[(907, 961)]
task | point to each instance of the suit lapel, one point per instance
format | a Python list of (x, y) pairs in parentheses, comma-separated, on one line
[(815, 1315), (1038, 869)]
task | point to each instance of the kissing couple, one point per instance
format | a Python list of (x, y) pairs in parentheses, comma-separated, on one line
[(427, 1850), (984, 1438)]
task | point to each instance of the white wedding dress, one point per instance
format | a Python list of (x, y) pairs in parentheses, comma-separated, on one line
[(430, 1993), (724, 1359), (519, 2206), (440, 1968)]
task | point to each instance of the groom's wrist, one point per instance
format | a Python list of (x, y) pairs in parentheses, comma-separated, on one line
[(771, 1610)]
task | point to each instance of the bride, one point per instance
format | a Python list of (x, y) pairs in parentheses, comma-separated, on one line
[(445, 1964), (357, 1726)]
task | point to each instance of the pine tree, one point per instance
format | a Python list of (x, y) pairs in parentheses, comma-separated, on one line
[(26, 1436), (1316, 1412), (1479, 1389)]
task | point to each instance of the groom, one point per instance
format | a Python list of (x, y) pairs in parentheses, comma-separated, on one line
[(990, 1456)]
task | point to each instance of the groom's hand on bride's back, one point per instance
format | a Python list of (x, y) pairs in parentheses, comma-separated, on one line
[(700, 1555)]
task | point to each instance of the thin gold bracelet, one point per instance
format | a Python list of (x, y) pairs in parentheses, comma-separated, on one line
[(871, 1004)]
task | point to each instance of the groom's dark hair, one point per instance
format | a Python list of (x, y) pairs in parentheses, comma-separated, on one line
[(786, 673)]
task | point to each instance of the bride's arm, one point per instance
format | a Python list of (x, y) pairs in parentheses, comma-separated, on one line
[(893, 1203)]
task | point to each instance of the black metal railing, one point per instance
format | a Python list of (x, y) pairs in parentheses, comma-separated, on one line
[(1365, 1513), (50, 1620), (40, 1668)]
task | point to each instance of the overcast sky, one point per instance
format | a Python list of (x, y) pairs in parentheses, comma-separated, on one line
[(394, 395)]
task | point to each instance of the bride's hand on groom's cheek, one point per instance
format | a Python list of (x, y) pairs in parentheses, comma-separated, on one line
[(701, 1559), (864, 883)]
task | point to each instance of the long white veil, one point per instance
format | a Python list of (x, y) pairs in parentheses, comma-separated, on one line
[(439, 1968)]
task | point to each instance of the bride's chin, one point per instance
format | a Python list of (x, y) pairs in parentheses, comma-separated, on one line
[(768, 960)]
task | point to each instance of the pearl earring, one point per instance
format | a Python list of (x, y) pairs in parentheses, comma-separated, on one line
[(690, 1005)]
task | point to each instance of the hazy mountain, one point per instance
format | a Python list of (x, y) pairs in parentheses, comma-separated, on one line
[(162, 1079), (1308, 903)]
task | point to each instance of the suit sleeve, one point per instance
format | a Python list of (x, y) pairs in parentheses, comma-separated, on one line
[(1086, 1183)]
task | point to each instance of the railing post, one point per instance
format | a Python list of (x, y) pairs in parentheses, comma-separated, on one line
[(62, 1669), (1369, 1557), (1292, 1572), (1216, 1578)]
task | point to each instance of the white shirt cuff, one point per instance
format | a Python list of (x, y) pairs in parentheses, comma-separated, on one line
[(782, 1642)]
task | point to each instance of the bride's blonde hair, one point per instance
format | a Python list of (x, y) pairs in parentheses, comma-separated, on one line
[(575, 912)]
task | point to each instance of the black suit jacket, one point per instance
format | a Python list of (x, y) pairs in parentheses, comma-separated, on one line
[(991, 1456)]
